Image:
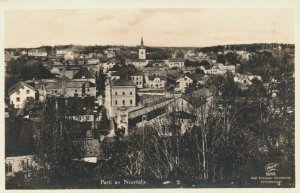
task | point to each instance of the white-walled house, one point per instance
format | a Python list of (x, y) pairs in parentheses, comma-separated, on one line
[(14, 164), (19, 92), (173, 63), (155, 81), (219, 69), (37, 52), (184, 81), (138, 79)]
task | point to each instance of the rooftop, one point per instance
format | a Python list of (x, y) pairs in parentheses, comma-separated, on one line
[(18, 85), (197, 77), (84, 72), (121, 82)]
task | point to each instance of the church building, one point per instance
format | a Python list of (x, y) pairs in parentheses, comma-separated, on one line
[(141, 61)]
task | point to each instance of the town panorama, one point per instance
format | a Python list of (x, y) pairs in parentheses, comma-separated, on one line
[(150, 117)]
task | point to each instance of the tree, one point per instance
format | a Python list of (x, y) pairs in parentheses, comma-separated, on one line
[(56, 147)]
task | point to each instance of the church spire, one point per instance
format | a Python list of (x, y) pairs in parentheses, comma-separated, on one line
[(142, 42)]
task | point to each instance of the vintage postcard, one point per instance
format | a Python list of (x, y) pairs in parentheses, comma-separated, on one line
[(149, 97)]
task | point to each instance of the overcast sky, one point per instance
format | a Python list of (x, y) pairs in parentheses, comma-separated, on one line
[(159, 27)]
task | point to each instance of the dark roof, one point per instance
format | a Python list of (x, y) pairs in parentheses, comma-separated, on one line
[(137, 73), (173, 74), (78, 84), (152, 77), (84, 72), (182, 115), (176, 60), (121, 82), (197, 77), (69, 84), (16, 86)]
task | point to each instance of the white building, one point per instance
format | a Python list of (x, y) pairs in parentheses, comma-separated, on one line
[(69, 55), (61, 52), (219, 69), (141, 62), (155, 81), (176, 63), (138, 63), (37, 52), (110, 53), (20, 92), (108, 65), (119, 94), (14, 164), (186, 80), (93, 61), (138, 79)]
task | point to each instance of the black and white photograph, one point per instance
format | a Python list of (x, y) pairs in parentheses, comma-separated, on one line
[(149, 97)]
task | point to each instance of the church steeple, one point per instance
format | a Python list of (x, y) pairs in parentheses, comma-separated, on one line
[(142, 50), (142, 42)]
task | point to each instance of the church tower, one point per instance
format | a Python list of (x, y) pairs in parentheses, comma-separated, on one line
[(142, 50)]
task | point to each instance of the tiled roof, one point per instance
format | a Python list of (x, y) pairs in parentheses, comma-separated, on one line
[(153, 77), (121, 82), (69, 84), (137, 73), (84, 72), (197, 77), (16, 86), (173, 74)]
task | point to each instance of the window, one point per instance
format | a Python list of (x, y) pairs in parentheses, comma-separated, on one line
[(116, 102), (8, 167), (18, 99), (116, 93), (75, 90), (25, 164), (27, 91), (87, 118), (130, 93), (18, 92), (27, 98), (123, 93), (123, 102), (88, 90), (131, 102), (55, 91)]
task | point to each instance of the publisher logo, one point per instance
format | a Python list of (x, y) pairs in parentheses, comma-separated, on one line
[(271, 169)]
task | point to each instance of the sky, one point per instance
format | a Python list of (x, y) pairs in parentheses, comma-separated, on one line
[(159, 27)]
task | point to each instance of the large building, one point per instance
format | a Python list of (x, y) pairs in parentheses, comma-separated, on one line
[(19, 93), (37, 52), (119, 94), (138, 79), (141, 61), (66, 88)]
